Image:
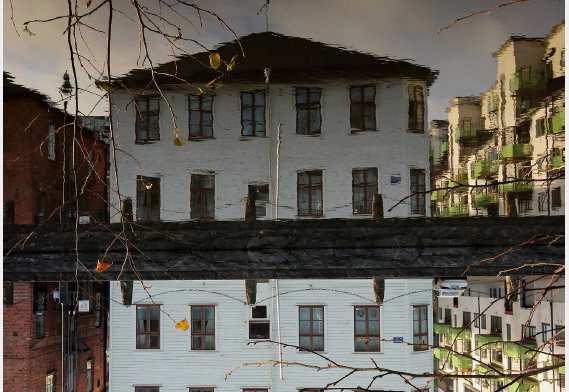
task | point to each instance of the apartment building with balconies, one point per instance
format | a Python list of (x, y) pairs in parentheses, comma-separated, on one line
[(502, 330)]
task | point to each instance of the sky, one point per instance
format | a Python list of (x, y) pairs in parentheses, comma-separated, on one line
[(403, 29)]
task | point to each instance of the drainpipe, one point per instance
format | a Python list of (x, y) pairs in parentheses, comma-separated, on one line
[(279, 335), (61, 296)]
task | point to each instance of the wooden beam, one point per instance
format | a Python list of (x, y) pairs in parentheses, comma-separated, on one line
[(319, 248)]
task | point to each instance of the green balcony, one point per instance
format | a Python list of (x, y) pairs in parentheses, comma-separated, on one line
[(486, 340), (461, 362), (558, 122), (519, 349), (440, 353), (452, 332), (516, 187), (515, 152), (466, 133), (523, 385), (557, 161), (485, 199), (528, 80), (485, 169), (455, 211)]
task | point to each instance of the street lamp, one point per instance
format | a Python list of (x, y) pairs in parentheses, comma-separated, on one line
[(65, 90)]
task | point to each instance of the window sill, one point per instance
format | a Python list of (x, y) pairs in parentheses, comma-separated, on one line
[(246, 138), (417, 131), (367, 352), (362, 131), (146, 141), (200, 139), (309, 134), (202, 351), (310, 216)]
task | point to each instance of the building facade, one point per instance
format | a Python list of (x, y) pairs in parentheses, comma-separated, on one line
[(506, 146), (307, 131), (47, 344)]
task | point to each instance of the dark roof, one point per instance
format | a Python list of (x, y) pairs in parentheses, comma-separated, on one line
[(14, 90), (290, 59)]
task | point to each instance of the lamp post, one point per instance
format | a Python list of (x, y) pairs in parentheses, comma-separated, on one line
[(65, 90)]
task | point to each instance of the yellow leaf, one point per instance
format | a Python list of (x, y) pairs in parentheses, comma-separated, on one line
[(182, 325), (214, 60), (103, 265), (178, 141), (231, 64)]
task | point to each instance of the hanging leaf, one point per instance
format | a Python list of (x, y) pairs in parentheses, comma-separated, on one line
[(177, 139), (214, 60), (182, 325), (231, 63), (103, 265)]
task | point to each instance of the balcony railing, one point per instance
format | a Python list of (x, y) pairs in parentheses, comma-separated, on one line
[(558, 122), (514, 152), (528, 80), (485, 169), (454, 211), (465, 133), (557, 160), (485, 199), (516, 187)]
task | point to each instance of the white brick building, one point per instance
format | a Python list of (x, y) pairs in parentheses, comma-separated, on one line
[(312, 131)]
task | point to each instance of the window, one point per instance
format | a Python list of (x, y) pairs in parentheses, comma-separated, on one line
[(41, 208), (51, 143), (202, 196), (147, 326), (309, 188), (466, 319), (366, 329), (362, 108), (560, 335), (545, 332), (465, 127), (525, 204), (147, 119), (508, 332), (483, 321), (201, 116), (147, 199), (308, 117), (448, 314), (261, 195), (540, 127), (416, 109), (9, 212), (496, 355), (542, 201), (495, 292), (89, 375), (40, 296), (420, 328), (311, 327), (203, 327), (98, 310), (495, 325), (146, 389), (528, 332), (556, 197), (364, 186), (417, 187), (259, 325), (50, 382), (253, 113), (562, 59)]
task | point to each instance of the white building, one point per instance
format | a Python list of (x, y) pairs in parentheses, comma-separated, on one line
[(309, 130)]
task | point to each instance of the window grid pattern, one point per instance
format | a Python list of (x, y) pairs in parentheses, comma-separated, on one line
[(308, 111), (201, 116), (311, 327), (147, 119), (203, 327), (366, 329), (416, 109), (310, 193), (364, 186), (420, 328), (147, 326), (253, 113), (202, 196), (362, 108), (417, 191), (147, 199)]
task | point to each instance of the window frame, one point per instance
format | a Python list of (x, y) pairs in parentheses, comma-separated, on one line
[(200, 111), (259, 204), (310, 187), (364, 187), (200, 194), (418, 199), (556, 198), (254, 108), (312, 335), (361, 105), (367, 334), (202, 321), (201, 389), (417, 347), (144, 117), (413, 91), (311, 108), (144, 195), (150, 333)]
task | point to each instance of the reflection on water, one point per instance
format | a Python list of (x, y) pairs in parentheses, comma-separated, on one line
[(479, 334)]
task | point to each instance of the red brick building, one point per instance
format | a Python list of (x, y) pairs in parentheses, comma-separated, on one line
[(48, 344)]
